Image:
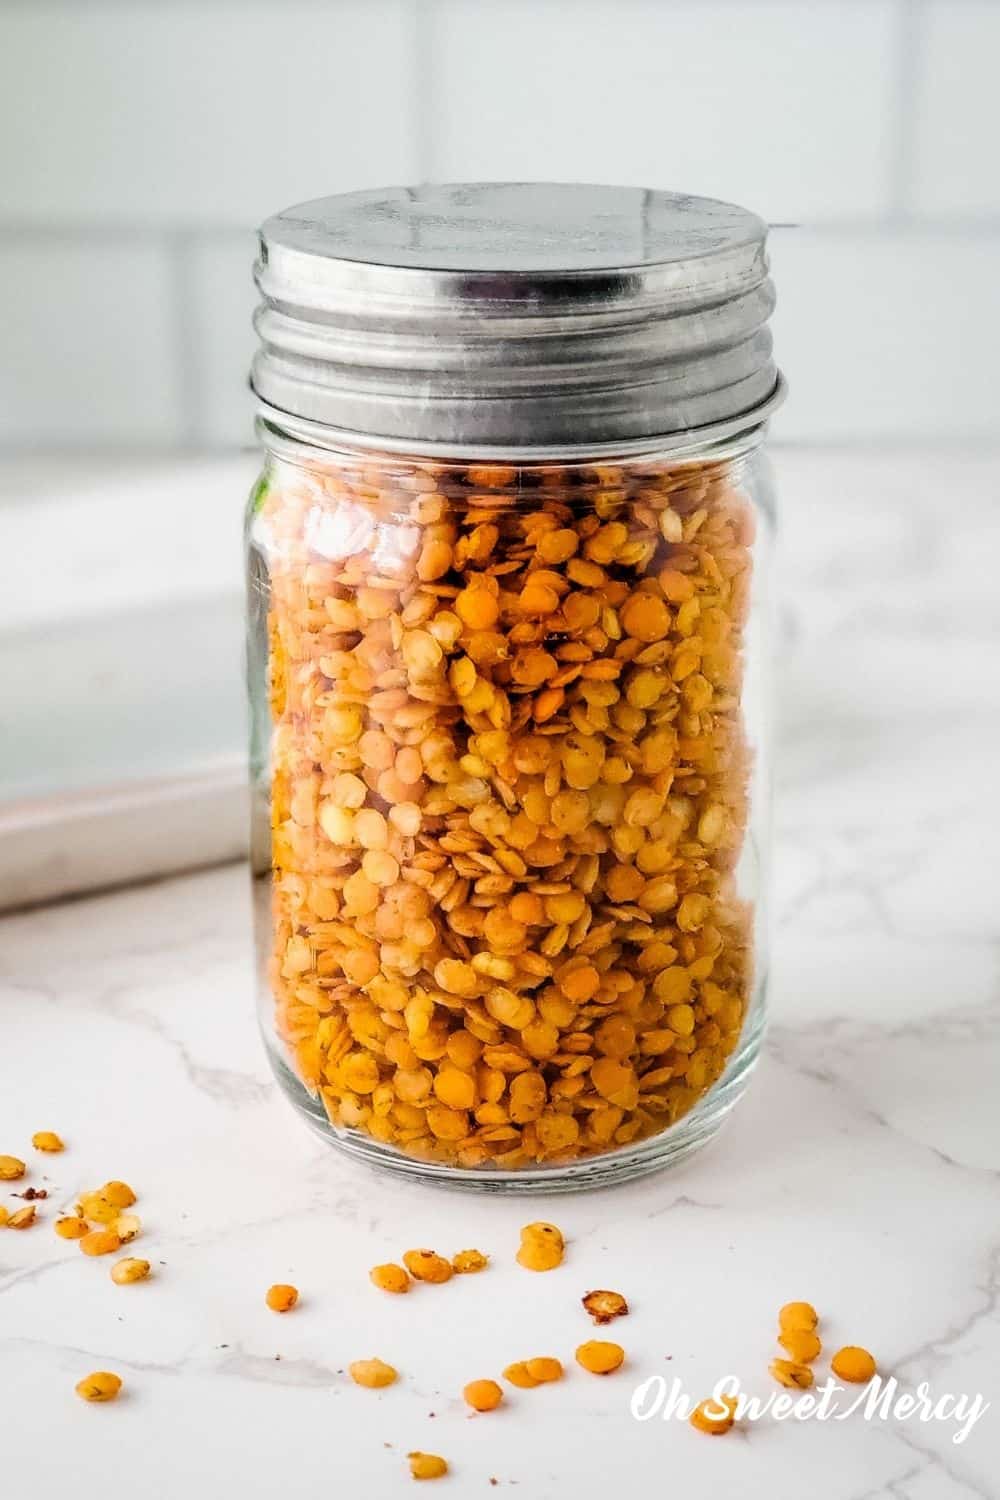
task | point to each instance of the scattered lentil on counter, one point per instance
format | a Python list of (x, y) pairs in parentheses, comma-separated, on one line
[(599, 1357), (801, 1344), (390, 1278), (797, 1315), (468, 1262), (103, 1385), (124, 1272), (542, 1247), (427, 1265), (100, 1242), (427, 1465), (853, 1364), (708, 1417), (483, 1395), (375, 1374), (605, 1306), (46, 1140), (281, 1297), (788, 1372)]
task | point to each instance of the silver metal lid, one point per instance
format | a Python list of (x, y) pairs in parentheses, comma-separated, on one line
[(530, 316)]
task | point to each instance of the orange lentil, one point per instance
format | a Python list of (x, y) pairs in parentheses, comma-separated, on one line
[(390, 1278), (483, 1395), (801, 1344), (797, 1315), (853, 1364), (605, 1306), (100, 1242), (374, 1374), (281, 1297), (789, 1372), (714, 1417), (131, 1269), (71, 1227), (427, 1465), (103, 1385), (427, 1265), (46, 1140), (600, 1357), (542, 1247), (469, 1261)]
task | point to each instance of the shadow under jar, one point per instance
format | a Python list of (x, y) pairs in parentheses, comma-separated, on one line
[(507, 668)]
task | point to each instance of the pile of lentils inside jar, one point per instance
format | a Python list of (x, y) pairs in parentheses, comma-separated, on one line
[(510, 786)]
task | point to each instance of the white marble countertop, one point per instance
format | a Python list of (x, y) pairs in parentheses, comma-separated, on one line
[(861, 1171)]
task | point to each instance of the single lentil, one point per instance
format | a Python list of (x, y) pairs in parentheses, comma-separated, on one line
[(281, 1297), (469, 1261), (600, 1357), (483, 1395), (542, 1247), (714, 1417), (97, 1208), (543, 1369), (22, 1218), (854, 1364), (11, 1168), (119, 1194), (518, 1374), (797, 1315), (802, 1345), (71, 1227), (102, 1385), (46, 1140), (789, 1372), (390, 1278), (100, 1242), (375, 1374), (604, 1306), (126, 1227), (427, 1465), (124, 1272), (427, 1265)]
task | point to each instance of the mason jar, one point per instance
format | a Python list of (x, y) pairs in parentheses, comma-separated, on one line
[(508, 561)]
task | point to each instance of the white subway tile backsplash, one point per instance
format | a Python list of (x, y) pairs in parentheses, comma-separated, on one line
[(223, 298), (887, 336), (785, 107), (200, 113), (140, 141), (957, 108), (89, 352)]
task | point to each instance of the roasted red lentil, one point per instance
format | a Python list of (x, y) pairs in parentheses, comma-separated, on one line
[(715, 1417), (604, 1306), (854, 1364), (509, 789)]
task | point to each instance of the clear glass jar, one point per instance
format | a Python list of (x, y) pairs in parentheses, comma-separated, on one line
[(510, 792)]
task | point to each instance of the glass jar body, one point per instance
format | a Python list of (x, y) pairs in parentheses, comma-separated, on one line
[(510, 803)]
